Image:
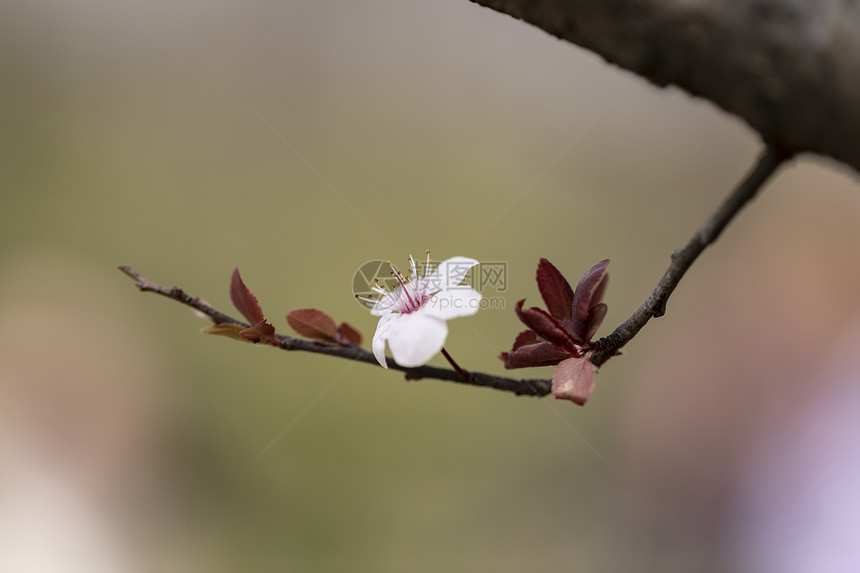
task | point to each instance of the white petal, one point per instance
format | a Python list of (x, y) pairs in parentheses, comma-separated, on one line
[(453, 303), (383, 330), (450, 273), (416, 338)]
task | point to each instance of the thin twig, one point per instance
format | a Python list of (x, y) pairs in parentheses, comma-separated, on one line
[(655, 305), (607, 347), (534, 387)]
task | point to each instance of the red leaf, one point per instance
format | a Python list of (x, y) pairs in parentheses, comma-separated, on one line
[(547, 327), (539, 354), (595, 319), (573, 380), (244, 300), (597, 295), (588, 293), (555, 290), (525, 337), (346, 334), (312, 323), (261, 332)]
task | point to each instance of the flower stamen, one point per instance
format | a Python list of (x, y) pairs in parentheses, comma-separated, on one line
[(405, 284)]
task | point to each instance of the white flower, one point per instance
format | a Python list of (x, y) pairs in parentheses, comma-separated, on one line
[(412, 316)]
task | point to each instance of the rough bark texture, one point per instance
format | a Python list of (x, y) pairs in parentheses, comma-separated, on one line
[(790, 68)]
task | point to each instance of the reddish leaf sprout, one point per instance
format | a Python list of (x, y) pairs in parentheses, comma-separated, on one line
[(317, 325), (562, 336), (246, 302)]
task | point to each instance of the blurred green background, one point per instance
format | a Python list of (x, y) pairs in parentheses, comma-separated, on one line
[(187, 138)]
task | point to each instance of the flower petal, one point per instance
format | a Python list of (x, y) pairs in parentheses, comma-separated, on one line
[(379, 337), (416, 338), (547, 328), (450, 273), (573, 380), (539, 354), (555, 290), (453, 303)]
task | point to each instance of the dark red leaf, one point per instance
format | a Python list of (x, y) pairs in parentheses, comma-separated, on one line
[(597, 295), (312, 323), (525, 337), (546, 327), (595, 319), (588, 293), (346, 334), (244, 300), (555, 290), (573, 379), (260, 332), (539, 354)]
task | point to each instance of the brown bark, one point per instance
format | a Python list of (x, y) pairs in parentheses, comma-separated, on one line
[(789, 68)]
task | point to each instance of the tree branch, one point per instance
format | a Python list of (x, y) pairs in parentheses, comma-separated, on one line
[(789, 68), (683, 258), (534, 387), (607, 347)]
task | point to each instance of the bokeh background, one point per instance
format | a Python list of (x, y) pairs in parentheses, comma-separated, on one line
[(297, 140)]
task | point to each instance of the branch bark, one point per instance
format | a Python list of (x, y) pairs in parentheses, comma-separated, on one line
[(533, 387), (655, 305), (789, 68)]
